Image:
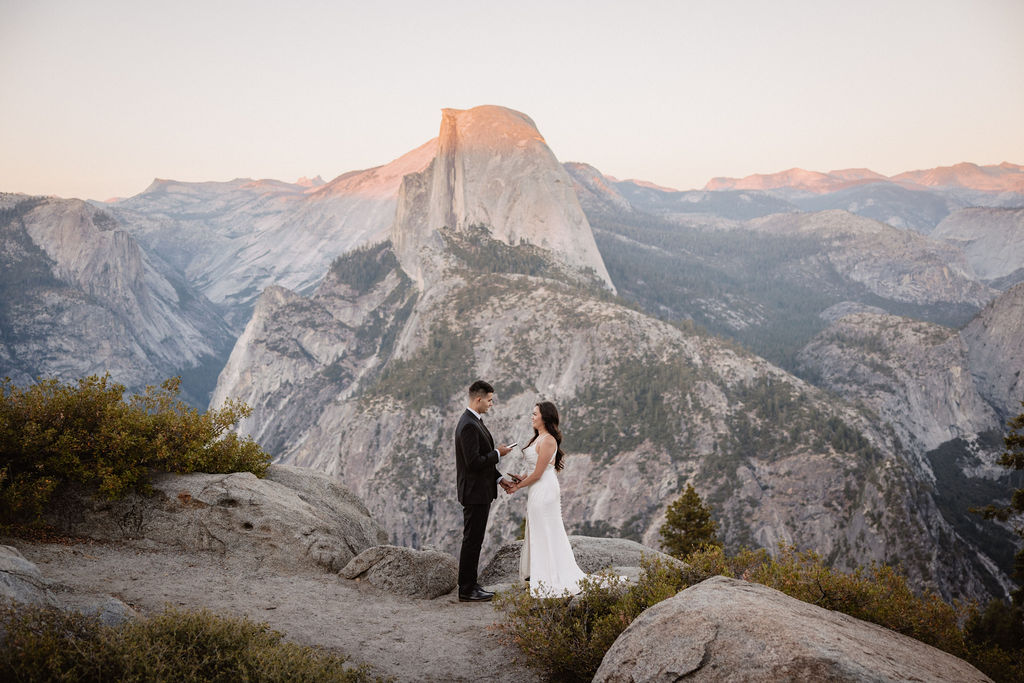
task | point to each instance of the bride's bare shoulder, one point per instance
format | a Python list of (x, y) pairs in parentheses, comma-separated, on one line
[(545, 440)]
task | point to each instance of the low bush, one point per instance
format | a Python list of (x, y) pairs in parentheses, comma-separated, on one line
[(53, 434), (45, 644), (565, 638)]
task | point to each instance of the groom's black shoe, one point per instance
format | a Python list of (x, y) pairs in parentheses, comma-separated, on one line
[(475, 594)]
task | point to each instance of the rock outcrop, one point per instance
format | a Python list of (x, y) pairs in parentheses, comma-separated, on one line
[(592, 554), (992, 240), (915, 375), (729, 630), (21, 580), (293, 519), (405, 571)]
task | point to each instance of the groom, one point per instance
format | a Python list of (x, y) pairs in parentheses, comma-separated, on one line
[(477, 479)]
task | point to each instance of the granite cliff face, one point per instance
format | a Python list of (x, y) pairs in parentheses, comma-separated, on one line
[(946, 396), (494, 170), (995, 349), (915, 375), (991, 239), (80, 297)]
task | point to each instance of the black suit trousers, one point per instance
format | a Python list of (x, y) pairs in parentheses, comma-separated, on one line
[(474, 524)]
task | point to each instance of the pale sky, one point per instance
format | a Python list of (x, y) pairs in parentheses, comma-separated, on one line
[(98, 98)]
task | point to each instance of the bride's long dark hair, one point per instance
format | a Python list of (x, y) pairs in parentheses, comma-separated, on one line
[(549, 413)]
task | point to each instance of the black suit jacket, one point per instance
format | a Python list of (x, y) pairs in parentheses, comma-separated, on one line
[(475, 460)]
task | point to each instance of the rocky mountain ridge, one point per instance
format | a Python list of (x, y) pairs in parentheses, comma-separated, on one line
[(232, 240), (80, 297), (1004, 177)]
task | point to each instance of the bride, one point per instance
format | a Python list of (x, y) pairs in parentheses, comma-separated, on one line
[(547, 557)]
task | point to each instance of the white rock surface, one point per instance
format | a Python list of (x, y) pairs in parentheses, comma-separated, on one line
[(292, 518)]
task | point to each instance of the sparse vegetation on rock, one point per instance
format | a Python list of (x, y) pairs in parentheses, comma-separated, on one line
[(53, 434)]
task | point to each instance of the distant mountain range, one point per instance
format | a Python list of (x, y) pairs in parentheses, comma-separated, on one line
[(1005, 177)]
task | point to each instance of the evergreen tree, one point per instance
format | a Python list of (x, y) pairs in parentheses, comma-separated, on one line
[(1001, 624), (688, 525), (1013, 458)]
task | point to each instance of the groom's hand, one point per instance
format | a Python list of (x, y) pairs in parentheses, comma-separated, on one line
[(503, 451), (506, 486)]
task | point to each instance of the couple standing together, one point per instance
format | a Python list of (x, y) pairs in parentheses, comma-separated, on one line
[(547, 561)]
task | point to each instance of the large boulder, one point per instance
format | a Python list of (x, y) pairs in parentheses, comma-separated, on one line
[(727, 629), (592, 555), (293, 518), (21, 580), (405, 571)]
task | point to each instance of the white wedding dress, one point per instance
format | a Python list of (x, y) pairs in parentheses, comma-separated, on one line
[(547, 556)]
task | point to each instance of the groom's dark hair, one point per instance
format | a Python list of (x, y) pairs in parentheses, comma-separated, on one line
[(480, 388)]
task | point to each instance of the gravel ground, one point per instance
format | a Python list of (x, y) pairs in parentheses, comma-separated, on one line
[(409, 639)]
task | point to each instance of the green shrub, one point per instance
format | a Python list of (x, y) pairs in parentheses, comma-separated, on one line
[(879, 594), (53, 434), (566, 638), (45, 644)]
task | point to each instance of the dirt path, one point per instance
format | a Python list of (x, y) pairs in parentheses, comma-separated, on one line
[(412, 640)]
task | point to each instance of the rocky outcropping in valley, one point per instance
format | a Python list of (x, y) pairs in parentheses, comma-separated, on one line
[(995, 349), (894, 264), (946, 395), (991, 238), (915, 375)]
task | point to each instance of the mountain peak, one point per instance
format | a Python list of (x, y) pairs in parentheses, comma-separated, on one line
[(494, 170)]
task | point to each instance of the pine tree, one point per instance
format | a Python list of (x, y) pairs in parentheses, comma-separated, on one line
[(688, 525)]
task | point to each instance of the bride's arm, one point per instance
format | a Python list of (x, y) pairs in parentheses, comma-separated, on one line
[(546, 448)]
